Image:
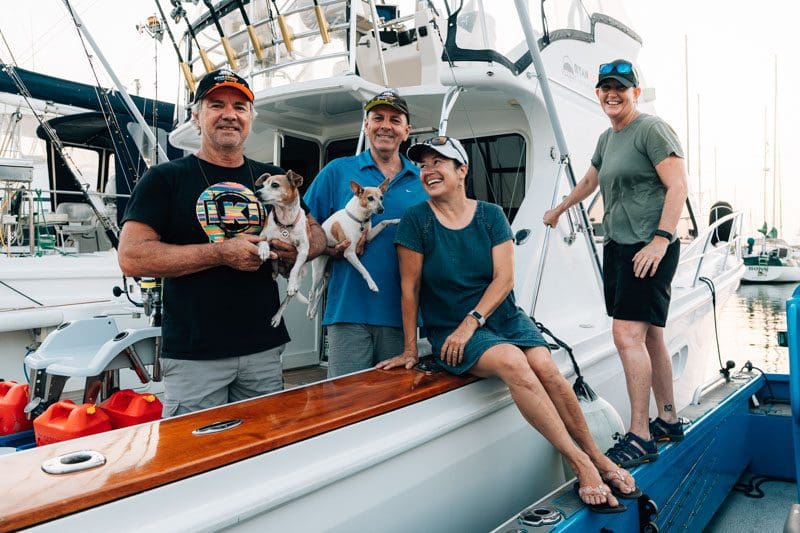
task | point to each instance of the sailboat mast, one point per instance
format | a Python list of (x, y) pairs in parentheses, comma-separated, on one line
[(686, 99), (766, 169), (775, 145)]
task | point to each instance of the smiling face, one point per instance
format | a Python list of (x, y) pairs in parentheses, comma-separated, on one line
[(441, 176), (386, 128), (224, 117), (618, 102)]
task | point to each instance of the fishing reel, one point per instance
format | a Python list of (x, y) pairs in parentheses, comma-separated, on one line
[(153, 27), (151, 299)]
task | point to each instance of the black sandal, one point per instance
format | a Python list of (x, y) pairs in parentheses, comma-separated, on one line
[(602, 508), (627, 455), (661, 431)]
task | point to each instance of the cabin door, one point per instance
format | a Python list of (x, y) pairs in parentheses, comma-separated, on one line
[(301, 156)]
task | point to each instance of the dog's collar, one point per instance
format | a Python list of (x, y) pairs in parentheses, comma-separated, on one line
[(362, 222), (286, 226)]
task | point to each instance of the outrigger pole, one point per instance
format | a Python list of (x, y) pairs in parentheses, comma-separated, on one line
[(558, 132), (185, 68), (251, 31), (179, 13), (226, 44), (162, 155)]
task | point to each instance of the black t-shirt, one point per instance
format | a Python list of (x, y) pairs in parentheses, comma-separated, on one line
[(219, 312)]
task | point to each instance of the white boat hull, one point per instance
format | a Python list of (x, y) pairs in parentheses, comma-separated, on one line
[(772, 274)]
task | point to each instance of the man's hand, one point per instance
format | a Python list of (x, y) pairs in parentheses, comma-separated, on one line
[(338, 250), (646, 260), (241, 252), (285, 252)]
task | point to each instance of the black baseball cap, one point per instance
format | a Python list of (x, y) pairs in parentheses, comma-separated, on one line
[(390, 98), (222, 78), (620, 70)]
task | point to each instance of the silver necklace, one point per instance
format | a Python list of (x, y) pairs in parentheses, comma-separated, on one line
[(208, 183)]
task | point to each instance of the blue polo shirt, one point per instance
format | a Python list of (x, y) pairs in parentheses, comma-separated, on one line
[(349, 298)]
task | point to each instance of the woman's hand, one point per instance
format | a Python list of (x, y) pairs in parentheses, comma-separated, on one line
[(648, 258), (453, 347), (551, 217), (407, 359)]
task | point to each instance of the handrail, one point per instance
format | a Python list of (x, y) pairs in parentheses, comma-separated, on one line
[(705, 238)]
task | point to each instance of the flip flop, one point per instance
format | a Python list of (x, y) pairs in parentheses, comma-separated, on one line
[(601, 508), (610, 476)]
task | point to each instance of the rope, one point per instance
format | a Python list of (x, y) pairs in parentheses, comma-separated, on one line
[(581, 388)]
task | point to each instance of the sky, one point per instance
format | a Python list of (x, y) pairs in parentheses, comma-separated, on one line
[(732, 47)]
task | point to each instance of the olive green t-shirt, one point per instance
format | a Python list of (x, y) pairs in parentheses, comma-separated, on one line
[(633, 195)]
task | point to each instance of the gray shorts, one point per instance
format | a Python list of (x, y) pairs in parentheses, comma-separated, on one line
[(194, 385), (354, 347)]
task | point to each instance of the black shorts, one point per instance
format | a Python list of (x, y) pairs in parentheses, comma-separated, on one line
[(639, 299)]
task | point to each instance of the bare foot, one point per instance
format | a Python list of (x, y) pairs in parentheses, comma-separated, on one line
[(592, 490), (611, 473)]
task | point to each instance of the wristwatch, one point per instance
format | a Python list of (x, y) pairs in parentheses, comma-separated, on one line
[(477, 316), (663, 233)]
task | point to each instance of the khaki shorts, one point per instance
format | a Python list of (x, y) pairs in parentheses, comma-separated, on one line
[(194, 385)]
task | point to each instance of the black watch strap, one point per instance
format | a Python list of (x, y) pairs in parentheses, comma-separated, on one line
[(662, 233)]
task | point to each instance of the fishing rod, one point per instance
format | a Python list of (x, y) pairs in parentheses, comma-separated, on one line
[(322, 22), (185, 68), (179, 13), (286, 33), (226, 44), (251, 31)]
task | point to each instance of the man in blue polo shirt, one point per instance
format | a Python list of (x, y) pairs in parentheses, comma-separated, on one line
[(365, 327)]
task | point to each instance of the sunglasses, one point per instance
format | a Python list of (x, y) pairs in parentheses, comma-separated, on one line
[(620, 68), (442, 140)]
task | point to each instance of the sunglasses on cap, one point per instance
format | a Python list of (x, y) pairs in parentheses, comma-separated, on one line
[(619, 68), (442, 140)]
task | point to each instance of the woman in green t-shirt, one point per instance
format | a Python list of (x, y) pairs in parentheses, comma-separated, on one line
[(639, 167)]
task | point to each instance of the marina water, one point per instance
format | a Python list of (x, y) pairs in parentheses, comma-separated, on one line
[(749, 324)]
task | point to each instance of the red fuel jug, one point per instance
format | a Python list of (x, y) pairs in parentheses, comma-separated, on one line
[(128, 408), (13, 398), (64, 420)]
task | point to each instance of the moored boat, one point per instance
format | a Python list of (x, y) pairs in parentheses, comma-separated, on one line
[(402, 449)]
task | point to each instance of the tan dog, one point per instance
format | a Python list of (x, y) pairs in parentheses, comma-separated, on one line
[(349, 223), (287, 223)]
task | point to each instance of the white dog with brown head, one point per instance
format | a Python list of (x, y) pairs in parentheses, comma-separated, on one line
[(349, 223), (287, 223)]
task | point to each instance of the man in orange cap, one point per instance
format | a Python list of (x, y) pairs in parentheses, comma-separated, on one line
[(196, 221)]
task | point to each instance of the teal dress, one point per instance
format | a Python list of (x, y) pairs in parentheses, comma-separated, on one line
[(456, 270)]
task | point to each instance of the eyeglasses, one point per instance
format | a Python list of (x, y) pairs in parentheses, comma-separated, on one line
[(442, 140), (620, 68)]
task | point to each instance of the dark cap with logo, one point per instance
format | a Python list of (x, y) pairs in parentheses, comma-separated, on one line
[(620, 70), (222, 78), (390, 98)]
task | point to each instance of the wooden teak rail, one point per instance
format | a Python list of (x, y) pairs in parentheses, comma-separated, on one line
[(142, 457)]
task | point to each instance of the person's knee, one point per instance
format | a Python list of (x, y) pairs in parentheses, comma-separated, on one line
[(628, 338), (543, 366), (514, 369)]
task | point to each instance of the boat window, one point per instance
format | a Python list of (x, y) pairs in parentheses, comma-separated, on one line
[(497, 171), (146, 148), (88, 163), (301, 156), (340, 148)]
